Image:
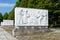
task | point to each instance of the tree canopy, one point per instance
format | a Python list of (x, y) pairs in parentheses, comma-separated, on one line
[(11, 15), (1, 17), (53, 6), (5, 16)]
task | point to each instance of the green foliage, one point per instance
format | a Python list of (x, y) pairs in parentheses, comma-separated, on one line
[(51, 25), (5, 16), (1, 17), (11, 15), (53, 6)]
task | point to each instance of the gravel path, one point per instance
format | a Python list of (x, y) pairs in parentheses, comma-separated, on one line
[(5, 35)]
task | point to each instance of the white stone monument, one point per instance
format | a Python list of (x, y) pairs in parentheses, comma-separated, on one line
[(7, 23), (31, 17)]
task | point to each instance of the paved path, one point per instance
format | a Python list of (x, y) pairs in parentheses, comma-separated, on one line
[(55, 30), (5, 35)]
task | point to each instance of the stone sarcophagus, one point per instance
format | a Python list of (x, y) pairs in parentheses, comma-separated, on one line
[(28, 17)]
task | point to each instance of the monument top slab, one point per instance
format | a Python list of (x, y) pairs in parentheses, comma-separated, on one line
[(31, 17)]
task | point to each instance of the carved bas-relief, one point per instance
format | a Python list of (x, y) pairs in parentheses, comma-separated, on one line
[(31, 17), (26, 18)]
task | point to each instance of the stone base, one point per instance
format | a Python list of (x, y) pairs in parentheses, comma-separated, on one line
[(28, 30)]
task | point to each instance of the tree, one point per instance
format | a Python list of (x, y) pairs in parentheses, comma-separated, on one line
[(11, 15), (5, 16), (53, 6), (1, 18)]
